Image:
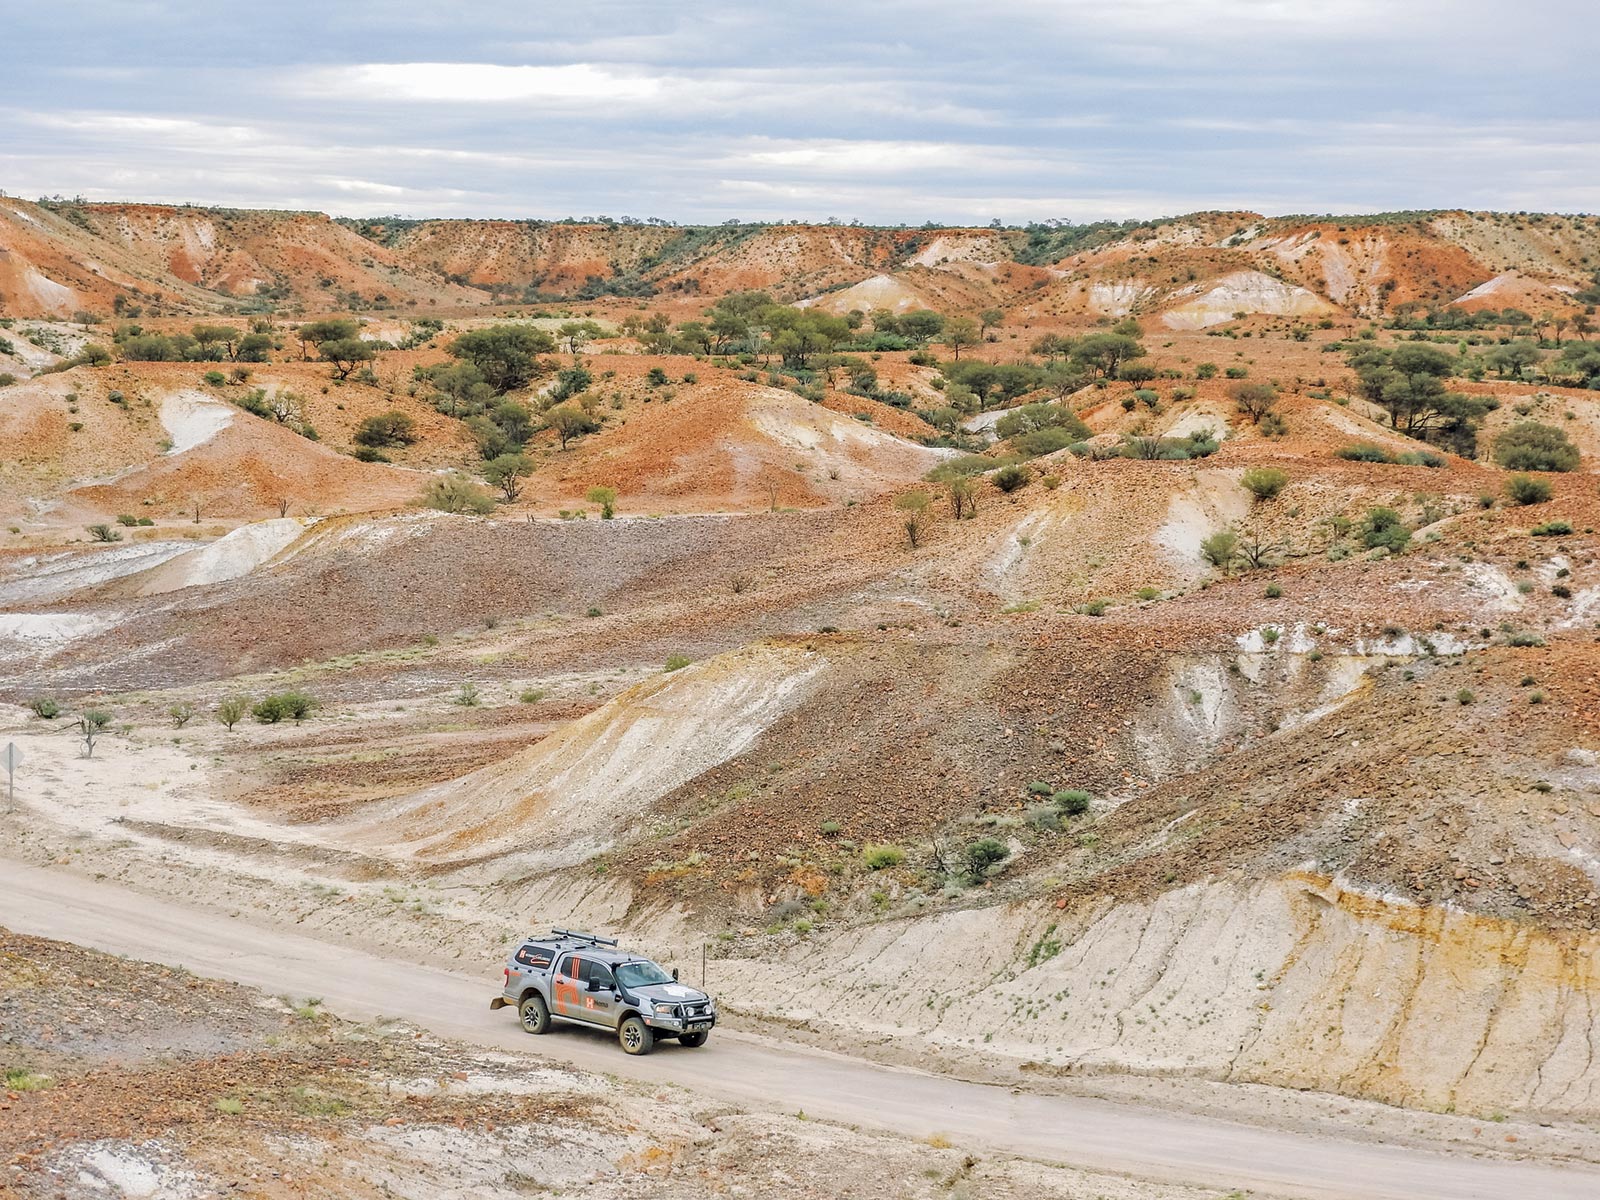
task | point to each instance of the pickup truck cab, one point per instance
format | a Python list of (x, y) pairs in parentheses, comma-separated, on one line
[(586, 979)]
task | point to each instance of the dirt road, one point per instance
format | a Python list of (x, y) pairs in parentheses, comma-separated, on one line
[(759, 1074)]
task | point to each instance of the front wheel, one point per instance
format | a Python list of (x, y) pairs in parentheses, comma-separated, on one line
[(635, 1036), (693, 1039), (534, 1014)]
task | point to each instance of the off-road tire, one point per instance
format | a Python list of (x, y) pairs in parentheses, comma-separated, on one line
[(636, 1037), (534, 1014), (694, 1039)]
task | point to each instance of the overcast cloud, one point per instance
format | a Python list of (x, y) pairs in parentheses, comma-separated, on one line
[(884, 111)]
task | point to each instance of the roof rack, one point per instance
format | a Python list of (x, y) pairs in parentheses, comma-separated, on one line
[(575, 936)]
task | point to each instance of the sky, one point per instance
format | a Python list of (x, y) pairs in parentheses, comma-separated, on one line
[(883, 111)]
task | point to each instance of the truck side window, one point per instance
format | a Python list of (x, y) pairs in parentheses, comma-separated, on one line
[(534, 956), (599, 972), (570, 966)]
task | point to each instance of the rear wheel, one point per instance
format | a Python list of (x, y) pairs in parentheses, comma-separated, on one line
[(694, 1039), (635, 1036), (534, 1014)]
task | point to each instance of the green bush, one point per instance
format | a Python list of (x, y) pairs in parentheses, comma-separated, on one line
[(983, 855), (1010, 478), (676, 662), (215, 378), (231, 711), (1525, 489), (392, 428), (1382, 528), (1039, 788), (1363, 452), (878, 857), (1264, 482), (1531, 446), (1552, 529), (1221, 548), (279, 706), (1072, 802), (45, 708)]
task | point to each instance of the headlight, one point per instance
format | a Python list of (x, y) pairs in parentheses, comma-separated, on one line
[(665, 1008)]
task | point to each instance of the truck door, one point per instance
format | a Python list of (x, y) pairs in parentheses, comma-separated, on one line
[(599, 995), (567, 991)]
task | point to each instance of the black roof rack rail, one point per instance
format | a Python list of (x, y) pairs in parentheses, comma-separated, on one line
[(575, 936)]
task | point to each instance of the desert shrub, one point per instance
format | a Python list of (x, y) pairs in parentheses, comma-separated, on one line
[(280, 706), (392, 428), (1237, 372), (1465, 696), (531, 695), (45, 708), (1206, 370), (181, 713), (215, 378), (370, 454), (1273, 592), (1039, 788), (1010, 478), (1382, 528), (454, 494), (1531, 446), (127, 520), (1552, 529), (468, 696), (676, 662), (982, 855), (1264, 482), (606, 498), (1221, 548), (1525, 489), (878, 857), (1419, 458), (103, 533), (231, 710), (1363, 452), (1072, 802)]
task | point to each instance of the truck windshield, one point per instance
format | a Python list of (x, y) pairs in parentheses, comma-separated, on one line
[(641, 974)]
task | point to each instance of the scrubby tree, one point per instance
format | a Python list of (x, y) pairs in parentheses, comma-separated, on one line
[(335, 329), (963, 496), (1408, 382), (568, 421), (506, 356), (990, 318), (346, 354), (960, 332), (507, 472), (914, 511), (231, 711), (1103, 353), (1513, 359), (606, 498), (1254, 400), (921, 325)]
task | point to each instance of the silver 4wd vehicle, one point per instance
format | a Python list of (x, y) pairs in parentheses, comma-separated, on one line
[(586, 979)]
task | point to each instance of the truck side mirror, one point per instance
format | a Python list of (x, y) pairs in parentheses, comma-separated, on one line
[(594, 985), (674, 974)]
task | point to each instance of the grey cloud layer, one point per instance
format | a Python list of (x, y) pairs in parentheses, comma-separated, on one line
[(894, 111)]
